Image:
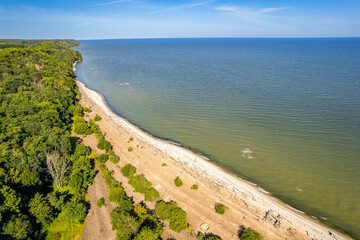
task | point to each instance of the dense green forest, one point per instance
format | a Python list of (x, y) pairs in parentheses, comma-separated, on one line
[(44, 171)]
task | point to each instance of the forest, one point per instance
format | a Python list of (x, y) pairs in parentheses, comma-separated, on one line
[(44, 170)]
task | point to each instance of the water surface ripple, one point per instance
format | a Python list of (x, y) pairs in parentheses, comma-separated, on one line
[(283, 113)]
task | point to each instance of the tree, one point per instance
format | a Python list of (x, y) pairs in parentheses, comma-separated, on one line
[(40, 208), (57, 167), (18, 227)]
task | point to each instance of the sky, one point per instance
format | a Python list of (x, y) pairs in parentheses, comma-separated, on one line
[(116, 19)]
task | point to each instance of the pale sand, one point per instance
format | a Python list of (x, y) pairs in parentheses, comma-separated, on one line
[(247, 204)]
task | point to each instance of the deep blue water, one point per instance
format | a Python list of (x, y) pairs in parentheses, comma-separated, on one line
[(283, 113)]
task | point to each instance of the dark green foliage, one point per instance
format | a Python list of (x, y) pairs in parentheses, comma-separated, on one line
[(250, 234), (17, 227), (82, 150), (195, 187), (125, 223), (75, 210), (201, 236), (178, 182), (100, 202), (220, 208), (104, 145), (103, 158), (97, 118), (128, 170), (37, 112), (140, 183), (172, 213), (41, 209)]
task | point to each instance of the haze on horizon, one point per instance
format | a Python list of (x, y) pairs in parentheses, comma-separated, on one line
[(109, 19)]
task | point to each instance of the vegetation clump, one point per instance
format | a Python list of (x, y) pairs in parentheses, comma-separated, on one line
[(164, 165), (195, 187), (128, 170), (173, 214), (104, 145), (249, 234), (103, 158), (178, 182), (97, 118), (40, 116), (130, 149), (220, 208), (202, 236), (87, 109), (100, 202), (114, 158)]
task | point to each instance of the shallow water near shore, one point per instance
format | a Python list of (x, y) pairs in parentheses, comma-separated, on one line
[(284, 113)]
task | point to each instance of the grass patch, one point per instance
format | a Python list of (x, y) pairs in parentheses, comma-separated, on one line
[(100, 202), (178, 182), (195, 187), (220, 208), (140, 183), (128, 170), (97, 118)]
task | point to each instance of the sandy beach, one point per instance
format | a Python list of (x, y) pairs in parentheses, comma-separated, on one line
[(247, 205)]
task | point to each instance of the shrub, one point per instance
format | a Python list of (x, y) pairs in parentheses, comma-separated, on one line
[(81, 127), (82, 150), (201, 236), (100, 202), (220, 208), (178, 182), (125, 224), (76, 110), (164, 165), (114, 158), (87, 109), (140, 183), (130, 149), (251, 235), (128, 170), (195, 187), (173, 214), (104, 145), (97, 118), (103, 158), (151, 195)]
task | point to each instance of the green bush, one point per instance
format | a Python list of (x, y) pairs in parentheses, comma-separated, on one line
[(104, 145), (128, 170), (81, 127), (164, 165), (201, 236), (103, 158), (87, 109), (152, 195), (173, 214), (100, 202), (251, 235), (178, 182), (82, 150), (114, 158), (195, 187), (140, 183), (97, 118), (130, 149), (220, 208)]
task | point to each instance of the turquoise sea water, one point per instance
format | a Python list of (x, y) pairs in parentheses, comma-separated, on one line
[(282, 113)]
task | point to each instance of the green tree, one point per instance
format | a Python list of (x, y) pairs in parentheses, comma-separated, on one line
[(40, 208)]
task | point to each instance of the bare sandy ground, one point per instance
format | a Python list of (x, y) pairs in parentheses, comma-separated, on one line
[(246, 204)]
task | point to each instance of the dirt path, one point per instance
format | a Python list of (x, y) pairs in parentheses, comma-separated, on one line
[(98, 221)]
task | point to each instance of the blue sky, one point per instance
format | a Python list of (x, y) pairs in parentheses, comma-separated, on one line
[(104, 19)]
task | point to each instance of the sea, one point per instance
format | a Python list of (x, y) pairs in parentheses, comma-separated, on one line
[(283, 113)]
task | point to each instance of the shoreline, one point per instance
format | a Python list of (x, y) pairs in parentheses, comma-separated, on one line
[(267, 208)]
